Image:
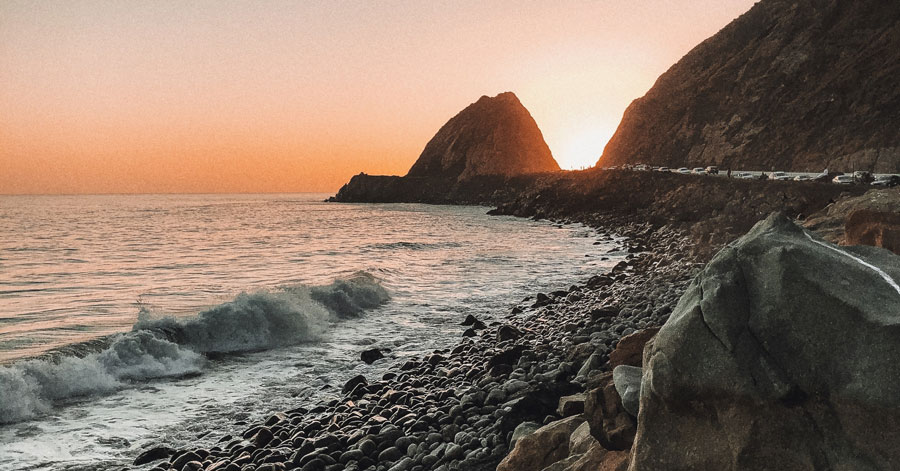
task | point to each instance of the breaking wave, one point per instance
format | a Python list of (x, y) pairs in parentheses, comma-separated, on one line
[(166, 347)]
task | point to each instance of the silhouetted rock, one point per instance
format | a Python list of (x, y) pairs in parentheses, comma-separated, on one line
[(153, 454), (782, 351), (493, 136), (789, 85), (371, 356), (469, 159), (353, 382)]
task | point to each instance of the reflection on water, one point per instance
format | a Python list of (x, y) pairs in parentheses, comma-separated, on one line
[(74, 268)]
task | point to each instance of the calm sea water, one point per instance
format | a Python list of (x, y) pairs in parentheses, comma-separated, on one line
[(130, 321)]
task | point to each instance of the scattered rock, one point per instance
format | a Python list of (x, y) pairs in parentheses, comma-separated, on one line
[(153, 454), (571, 405), (628, 384), (353, 382), (507, 332), (610, 424), (371, 356), (630, 349), (469, 320), (523, 429), (541, 448)]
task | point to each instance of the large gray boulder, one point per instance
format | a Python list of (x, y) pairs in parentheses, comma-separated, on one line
[(784, 353)]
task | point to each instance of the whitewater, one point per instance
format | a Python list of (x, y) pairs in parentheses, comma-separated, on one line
[(151, 320)]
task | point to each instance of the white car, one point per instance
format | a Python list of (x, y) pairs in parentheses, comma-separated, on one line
[(684, 170), (745, 175), (663, 169), (802, 178), (780, 176), (699, 170), (843, 179)]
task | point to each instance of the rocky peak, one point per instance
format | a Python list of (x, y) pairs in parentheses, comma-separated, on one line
[(493, 136), (789, 85)]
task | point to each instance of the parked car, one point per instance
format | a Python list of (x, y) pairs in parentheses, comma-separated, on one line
[(744, 175), (887, 180), (843, 179), (802, 178), (664, 169), (780, 176), (712, 170), (683, 170), (641, 167), (698, 170)]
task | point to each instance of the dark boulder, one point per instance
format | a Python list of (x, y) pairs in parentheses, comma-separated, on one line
[(610, 424), (153, 454), (782, 339), (353, 382), (507, 332), (371, 356)]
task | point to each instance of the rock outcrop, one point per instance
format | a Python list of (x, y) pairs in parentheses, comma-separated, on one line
[(782, 339), (713, 210), (789, 85), (469, 159), (541, 448), (869, 219), (609, 423), (493, 136)]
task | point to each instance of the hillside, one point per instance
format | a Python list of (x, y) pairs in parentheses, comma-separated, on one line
[(790, 85)]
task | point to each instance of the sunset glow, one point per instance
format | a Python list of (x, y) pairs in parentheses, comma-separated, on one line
[(134, 97)]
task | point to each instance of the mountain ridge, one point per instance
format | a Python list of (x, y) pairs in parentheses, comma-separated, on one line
[(789, 85)]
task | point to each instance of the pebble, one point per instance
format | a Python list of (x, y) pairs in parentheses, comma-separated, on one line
[(460, 408)]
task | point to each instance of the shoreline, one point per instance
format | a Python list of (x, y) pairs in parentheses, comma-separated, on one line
[(457, 408)]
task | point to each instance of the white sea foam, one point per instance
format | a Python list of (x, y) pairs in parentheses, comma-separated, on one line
[(171, 347), (31, 387)]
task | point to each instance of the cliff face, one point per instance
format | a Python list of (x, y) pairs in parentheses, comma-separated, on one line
[(493, 136), (789, 85)]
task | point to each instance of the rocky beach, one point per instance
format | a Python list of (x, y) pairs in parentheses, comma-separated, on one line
[(735, 325), (465, 407), (557, 384)]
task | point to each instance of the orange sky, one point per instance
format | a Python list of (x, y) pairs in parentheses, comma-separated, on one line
[(281, 96)]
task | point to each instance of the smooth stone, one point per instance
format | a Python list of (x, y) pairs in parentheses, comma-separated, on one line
[(628, 384)]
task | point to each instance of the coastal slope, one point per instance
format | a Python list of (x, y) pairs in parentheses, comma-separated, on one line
[(789, 85)]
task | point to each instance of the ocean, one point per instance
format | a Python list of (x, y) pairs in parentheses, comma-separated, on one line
[(148, 320)]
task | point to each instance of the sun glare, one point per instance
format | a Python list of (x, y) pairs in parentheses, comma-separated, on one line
[(581, 148)]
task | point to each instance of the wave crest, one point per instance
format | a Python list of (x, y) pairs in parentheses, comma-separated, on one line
[(173, 347)]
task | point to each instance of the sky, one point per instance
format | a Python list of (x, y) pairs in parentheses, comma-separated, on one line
[(291, 96)]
